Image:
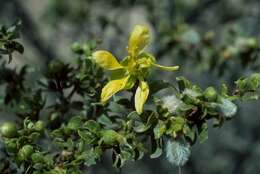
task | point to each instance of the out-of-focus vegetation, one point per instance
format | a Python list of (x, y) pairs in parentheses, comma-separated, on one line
[(213, 41)]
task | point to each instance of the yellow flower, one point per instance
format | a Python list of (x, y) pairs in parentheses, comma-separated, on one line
[(132, 69)]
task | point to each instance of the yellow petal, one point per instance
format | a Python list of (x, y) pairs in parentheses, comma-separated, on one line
[(106, 60), (167, 68), (141, 96), (138, 39), (113, 87)]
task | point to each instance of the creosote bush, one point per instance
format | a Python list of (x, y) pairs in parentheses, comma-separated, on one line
[(71, 115)]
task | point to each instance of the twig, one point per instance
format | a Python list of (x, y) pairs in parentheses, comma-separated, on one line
[(179, 169)]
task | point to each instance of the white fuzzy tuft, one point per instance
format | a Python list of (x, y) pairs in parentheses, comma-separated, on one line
[(171, 103), (228, 108), (177, 153)]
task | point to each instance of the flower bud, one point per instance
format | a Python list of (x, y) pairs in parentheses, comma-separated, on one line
[(39, 126), (11, 145), (211, 94), (25, 152), (9, 130), (37, 157)]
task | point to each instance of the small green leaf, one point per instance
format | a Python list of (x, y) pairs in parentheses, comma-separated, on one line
[(203, 132), (117, 108), (92, 126), (125, 156), (75, 123), (110, 137), (159, 129), (87, 136), (157, 153), (190, 134), (89, 156), (104, 120), (183, 83), (141, 127), (177, 124)]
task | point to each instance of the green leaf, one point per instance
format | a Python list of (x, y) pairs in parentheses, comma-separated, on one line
[(117, 108), (143, 126), (125, 156), (177, 124), (157, 153), (203, 132), (75, 123), (34, 135), (248, 85), (93, 156), (92, 126), (224, 90), (183, 83), (89, 156), (189, 99), (190, 134), (110, 137), (159, 129), (86, 136), (133, 116), (106, 121)]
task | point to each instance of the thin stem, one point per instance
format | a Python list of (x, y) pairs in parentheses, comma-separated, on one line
[(179, 169), (28, 169)]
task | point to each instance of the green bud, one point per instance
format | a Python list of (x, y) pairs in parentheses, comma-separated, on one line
[(76, 48), (11, 145), (30, 125), (252, 42), (9, 130), (211, 94), (37, 157), (86, 48), (25, 152), (39, 126)]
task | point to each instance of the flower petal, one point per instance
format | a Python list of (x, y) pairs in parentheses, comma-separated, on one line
[(141, 96), (113, 87), (138, 39), (106, 60), (167, 68)]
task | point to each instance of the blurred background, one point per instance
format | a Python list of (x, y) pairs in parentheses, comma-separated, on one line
[(213, 41)]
